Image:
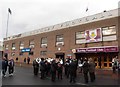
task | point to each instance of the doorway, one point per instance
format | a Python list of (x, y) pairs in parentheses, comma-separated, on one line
[(61, 56)]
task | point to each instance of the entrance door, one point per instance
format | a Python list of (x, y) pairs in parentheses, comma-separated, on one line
[(94, 56), (60, 55), (107, 59)]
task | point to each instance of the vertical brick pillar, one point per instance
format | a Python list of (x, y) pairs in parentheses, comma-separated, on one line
[(118, 37)]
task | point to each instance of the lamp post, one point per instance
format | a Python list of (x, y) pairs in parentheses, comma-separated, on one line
[(9, 12)]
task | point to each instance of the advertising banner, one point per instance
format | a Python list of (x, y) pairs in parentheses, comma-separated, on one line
[(97, 49), (94, 35)]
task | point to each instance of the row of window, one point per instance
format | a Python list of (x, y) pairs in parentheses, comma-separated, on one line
[(59, 41), (79, 37)]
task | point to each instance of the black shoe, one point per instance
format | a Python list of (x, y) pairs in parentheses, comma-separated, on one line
[(70, 81), (86, 82)]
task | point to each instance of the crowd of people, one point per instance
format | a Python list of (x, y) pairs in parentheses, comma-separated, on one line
[(7, 65), (55, 68)]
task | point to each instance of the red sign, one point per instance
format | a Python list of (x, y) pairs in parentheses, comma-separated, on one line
[(111, 49), (98, 49), (81, 50)]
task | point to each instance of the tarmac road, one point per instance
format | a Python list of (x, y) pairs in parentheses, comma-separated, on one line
[(24, 76)]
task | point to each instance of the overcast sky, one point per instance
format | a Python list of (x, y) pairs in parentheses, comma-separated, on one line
[(30, 15)]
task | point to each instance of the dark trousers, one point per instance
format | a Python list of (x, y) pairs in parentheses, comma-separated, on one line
[(59, 75), (11, 70), (92, 76), (53, 75), (86, 77), (114, 69), (68, 73), (118, 71), (119, 76), (72, 76), (4, 71), (35, 71), (42, 74)]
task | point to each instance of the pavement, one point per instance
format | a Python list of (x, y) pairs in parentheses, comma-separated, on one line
[(24, 76)]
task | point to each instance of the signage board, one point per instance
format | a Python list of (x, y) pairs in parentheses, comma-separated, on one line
[(94, 35), (97, 49), (25, 50)]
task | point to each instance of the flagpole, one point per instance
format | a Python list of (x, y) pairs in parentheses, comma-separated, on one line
[(7, 25)]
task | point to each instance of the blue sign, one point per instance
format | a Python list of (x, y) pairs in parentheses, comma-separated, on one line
[(26, 50)]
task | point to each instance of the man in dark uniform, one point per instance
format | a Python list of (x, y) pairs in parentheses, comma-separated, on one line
[(59, 71), (35, 67), (72, 70), (42, 68), (53, 70), (67, 67), (85, 70)]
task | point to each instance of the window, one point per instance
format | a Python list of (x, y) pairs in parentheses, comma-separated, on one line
[(80, 37), (13, 54), (109, 33), (13, 46), (59, 40), (21, 53), (31, 43), (6, 47), (109, 30), (43, 53), (21, 45), (44, 42), (31, 53)]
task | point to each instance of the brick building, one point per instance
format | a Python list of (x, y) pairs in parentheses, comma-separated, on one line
[(96, 36)]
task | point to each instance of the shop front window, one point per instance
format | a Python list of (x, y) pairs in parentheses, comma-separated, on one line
[(110, 64), (105, 64), (105, 59)]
